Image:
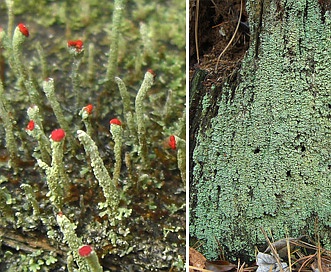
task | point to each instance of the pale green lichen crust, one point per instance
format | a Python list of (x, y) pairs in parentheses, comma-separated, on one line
[(113, 51), (139, 108), (70, 237), (181, 158), (49, 90), (8, 125), (109, 188), (265, 160), (115, 235), (117, 131)]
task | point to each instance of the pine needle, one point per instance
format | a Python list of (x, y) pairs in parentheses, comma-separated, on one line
[(233, 36), (196, 25)]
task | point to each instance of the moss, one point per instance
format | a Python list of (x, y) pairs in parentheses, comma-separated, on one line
[(265, 159)]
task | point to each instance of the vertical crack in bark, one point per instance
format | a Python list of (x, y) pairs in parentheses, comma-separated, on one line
[(258, 30)]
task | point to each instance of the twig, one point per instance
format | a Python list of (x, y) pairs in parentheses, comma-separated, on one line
[(240, 267), (234, 34), (199, 269), (27, 244), (273, 250), (306, 261), (319, 259), (289, 253), (196, 29)]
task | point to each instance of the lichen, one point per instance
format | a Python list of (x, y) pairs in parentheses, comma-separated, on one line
[(29, 211), (264, 161)]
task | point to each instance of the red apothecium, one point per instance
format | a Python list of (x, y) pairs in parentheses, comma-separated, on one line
[(88, 108), (23, 29), (78, 45), (57, 135), (85, 251), (30, 125), (115, 122), (172, 142)]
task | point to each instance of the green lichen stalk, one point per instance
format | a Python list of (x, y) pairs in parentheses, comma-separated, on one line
[(85, 113), (53, 182), (70, 237), (113, 51), (57, 179), (75, 77), (34, 114), (117, 133), (6, 202), (90, 257), (18, 40), (124, 95), (127, 111), (21, 33), (38, 133), (181, 158), (31, 196), (10, 4), (109, 187), (48, 88), (43, 61), (139, 108), (9, 129), (57, 161), (91, 64)]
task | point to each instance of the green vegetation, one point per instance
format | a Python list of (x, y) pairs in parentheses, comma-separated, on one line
[(54, 195), (264, 159)]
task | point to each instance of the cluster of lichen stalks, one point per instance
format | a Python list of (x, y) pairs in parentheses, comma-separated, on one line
[(50, 154)]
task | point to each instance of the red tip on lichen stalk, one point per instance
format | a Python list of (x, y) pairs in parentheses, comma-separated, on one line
[(85, 251), (23, 29), (88, 108), (115, 122), (172, 142), (57, 135), (30, 125), (78, 45), (151, 72)]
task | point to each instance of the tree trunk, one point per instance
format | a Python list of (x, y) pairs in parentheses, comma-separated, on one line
[(264, 159)]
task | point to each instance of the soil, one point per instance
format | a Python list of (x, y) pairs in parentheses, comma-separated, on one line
[(216, 26)]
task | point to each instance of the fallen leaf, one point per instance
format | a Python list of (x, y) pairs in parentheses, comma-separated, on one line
[(196, 259), (220, 266)]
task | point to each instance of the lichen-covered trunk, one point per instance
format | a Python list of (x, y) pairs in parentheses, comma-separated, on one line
[(264, 160)]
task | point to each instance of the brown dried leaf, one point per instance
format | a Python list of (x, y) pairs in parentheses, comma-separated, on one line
[(196, 259), (220, 266)]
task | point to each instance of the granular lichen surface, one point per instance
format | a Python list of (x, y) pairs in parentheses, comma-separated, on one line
[(264, 160), (148, 230)]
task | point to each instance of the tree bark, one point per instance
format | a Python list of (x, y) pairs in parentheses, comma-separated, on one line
[(264, 159)]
